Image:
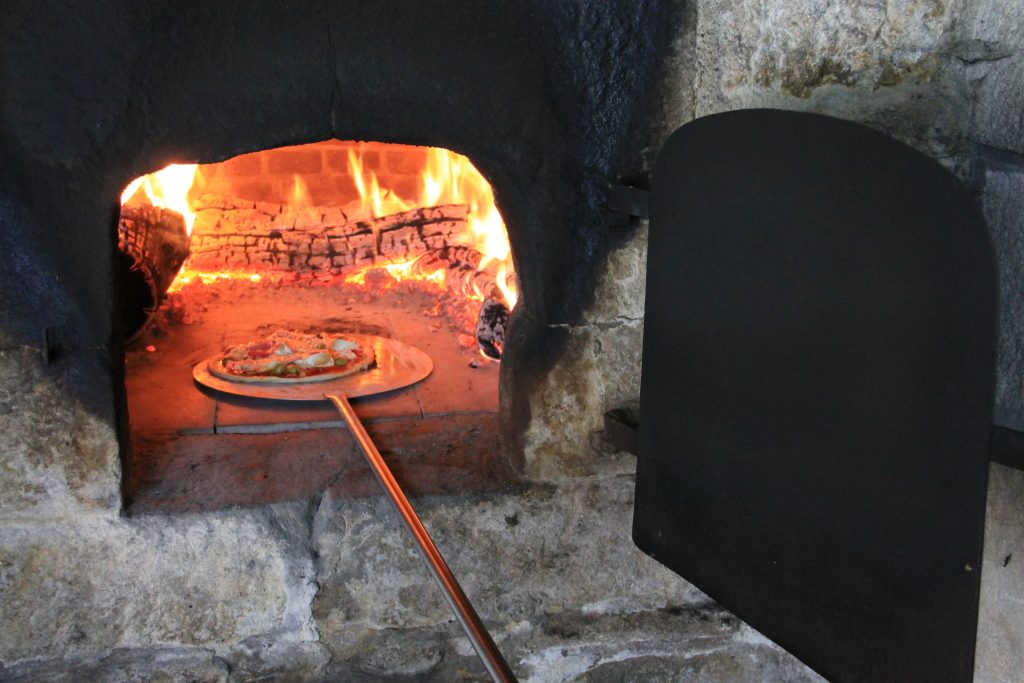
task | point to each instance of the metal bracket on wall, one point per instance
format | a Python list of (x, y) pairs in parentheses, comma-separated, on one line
[(624, 203), (622, 429), (47, 350), (1007, 447)]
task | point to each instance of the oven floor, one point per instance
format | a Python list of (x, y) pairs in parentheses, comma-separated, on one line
[(196, 449)]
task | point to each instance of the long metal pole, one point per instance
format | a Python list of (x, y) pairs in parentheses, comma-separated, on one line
[(485, 648)]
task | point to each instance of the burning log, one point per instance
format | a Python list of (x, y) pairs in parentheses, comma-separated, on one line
[(490, 328), (256, 238), (464, 275), (418, 248), (153, 244)]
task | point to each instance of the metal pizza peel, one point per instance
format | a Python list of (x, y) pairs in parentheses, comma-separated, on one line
[(397, 365)]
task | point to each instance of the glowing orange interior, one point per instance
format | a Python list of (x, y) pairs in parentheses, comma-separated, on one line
[(444, 178)]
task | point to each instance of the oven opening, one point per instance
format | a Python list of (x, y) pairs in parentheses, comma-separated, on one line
[(318, 242)]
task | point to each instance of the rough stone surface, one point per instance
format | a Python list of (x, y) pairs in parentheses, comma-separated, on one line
[(1000, 650), (551, 569), (84, 586), (162, 665), (599, 369), (880, 62), (257, 659), (570, 593), (992, 32), (620, 288), (267, 658), (1004, 211), (56, 457), (746, 659)]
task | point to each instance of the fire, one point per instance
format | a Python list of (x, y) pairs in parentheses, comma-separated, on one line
[(187, 277), (167, 189), (446, 178), (376, 201)]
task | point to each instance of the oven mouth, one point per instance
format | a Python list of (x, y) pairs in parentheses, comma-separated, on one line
[(328, 238)]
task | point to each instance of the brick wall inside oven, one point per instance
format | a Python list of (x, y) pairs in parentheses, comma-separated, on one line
[(269, 176)]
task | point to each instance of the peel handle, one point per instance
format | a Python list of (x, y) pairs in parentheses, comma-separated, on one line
[(460, 605)]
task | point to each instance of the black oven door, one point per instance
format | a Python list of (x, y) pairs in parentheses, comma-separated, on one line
[(817, 388)]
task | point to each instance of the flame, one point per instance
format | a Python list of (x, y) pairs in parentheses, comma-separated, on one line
[(186, 277), (447, 178), (401, 271), (167, 189), (376, 201)]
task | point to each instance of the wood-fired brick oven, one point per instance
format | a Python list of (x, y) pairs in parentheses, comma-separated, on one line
[(292, 239), (553, 102)]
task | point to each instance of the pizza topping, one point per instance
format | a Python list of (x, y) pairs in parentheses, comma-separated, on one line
[(317, 360), (342, 344)]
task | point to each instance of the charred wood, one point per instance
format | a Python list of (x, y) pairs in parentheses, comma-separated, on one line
[(256, 238), (153, 244)]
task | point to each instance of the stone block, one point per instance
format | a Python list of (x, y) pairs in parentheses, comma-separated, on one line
[(556, 545), (1004, 212), (126, 666), (57, 458), (371, 158), (881, 63), (997, 114), (327, 190), (86, 586), (266, 658), (736, 663), (781, 44), (620, 292), (336, 160), (405, 186), (569, 599), (598, 370), (996, 71), (257, 189)]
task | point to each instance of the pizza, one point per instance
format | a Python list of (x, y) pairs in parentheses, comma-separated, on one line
[(288, 357)]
